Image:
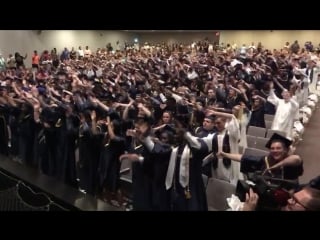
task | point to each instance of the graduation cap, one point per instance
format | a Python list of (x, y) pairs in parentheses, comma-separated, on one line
[(41, 90), (169, 128), (114, 115), (182, 109), (278, 138)]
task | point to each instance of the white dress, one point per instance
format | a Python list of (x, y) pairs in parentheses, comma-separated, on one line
[(285, 114), (233, 128), (313, 86), (243, 130)]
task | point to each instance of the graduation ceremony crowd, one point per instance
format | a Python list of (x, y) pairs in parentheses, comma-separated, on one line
[(180, 114)]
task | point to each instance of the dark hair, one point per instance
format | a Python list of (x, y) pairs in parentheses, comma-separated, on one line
[(116, 127), (314, 203)]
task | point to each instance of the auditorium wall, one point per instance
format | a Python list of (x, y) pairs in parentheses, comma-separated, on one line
[(270, 39), (177, 37), (25, 41)]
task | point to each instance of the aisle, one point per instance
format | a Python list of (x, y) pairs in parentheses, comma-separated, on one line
[(309, 148)]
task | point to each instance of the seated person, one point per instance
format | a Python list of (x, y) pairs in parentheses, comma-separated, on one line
[(278, 164)]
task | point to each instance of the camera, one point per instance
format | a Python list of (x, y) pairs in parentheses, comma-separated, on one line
[(273, 192)]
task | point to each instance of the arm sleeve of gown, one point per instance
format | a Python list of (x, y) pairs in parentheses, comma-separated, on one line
[(273, 98), (294, 103), (177, 97), (199, 143), (148, 143), (233, 128)]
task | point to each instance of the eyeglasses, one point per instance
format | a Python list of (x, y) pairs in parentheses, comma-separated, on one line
[(295, 201)]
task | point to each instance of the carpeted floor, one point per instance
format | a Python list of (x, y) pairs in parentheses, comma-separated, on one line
[(309, 148)]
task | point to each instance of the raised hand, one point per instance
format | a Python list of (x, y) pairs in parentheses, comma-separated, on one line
[(251, 201), (93, 115)]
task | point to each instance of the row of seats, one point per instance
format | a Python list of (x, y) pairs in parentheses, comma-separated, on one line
[(263, 132)]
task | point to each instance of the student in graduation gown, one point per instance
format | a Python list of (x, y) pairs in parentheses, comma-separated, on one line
[(227, 137), (86, 132), (278, 164), (155, 167), (47, 142), (67, 127), (13, 125), (182, 178), (208, 127), (4, 135), (26, 133), (142, 171), (257, 112), (109, 169)]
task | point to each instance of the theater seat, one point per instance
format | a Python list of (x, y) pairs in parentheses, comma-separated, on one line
[(217, 193)]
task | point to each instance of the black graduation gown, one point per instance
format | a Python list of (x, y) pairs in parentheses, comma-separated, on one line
[(26, 136), (160, 156), (69, 168), (252, 164), (47, 151), (257, 118), (109, 166), (198, 200), (89, 155), (206, 169), (67, 134), (84, 156), (14, 127), (142, 174), (3, 130), (37, 150)]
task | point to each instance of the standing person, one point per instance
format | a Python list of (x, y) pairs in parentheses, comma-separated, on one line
[(182, 177), (80, 53), (87, 53), (208, 127), (65, 55), (3, 64), (285, 111), (35, 60), (11, 62), (88, 151), (73, 54), (109, 169), (19, 60), (257, 112), (225, 139), (4, 116), (67, 129), (142, 169)]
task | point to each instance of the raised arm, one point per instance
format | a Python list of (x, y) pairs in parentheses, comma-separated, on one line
[(199, 143), (233, 156), (273, 98), (292, 160)]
